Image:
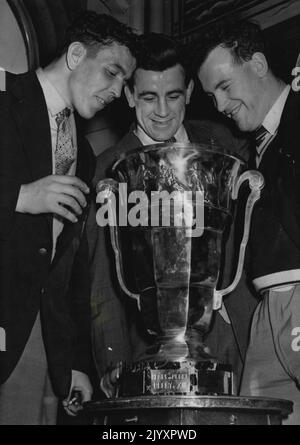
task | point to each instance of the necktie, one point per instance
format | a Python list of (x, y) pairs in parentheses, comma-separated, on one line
[(262, 139), (172, 139), (64, 151)]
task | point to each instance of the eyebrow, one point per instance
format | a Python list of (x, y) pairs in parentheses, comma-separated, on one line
[(120, 68), (221, 83), (153, 93)]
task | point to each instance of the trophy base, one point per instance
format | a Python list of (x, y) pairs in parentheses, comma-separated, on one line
[(175, 378), (189, 410)]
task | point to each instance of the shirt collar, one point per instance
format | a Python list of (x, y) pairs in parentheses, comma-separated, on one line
[(180, 135), (54, 101), (272, 119)]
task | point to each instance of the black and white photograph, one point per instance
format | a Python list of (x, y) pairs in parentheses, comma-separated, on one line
[(149, 215)]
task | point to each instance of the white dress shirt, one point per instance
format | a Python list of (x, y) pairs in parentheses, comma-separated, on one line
[(55, 104)]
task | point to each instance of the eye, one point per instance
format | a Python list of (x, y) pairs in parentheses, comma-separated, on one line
[(174, 96), (226, 87), (111, 73), (148, 98)]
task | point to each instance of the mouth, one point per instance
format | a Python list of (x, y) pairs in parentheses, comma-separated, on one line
[(162, 123), (232, 114), (103, 102)]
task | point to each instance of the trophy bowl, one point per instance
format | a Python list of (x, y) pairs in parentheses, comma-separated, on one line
[(168, 206)]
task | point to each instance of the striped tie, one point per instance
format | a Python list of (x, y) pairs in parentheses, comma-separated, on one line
[(65, 152), (262, 138), (172, 139)]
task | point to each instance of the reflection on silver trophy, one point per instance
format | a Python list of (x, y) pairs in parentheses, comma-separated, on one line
[(168, 206)]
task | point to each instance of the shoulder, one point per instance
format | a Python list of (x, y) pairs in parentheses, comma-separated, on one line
[(107, 158), (226, 137)]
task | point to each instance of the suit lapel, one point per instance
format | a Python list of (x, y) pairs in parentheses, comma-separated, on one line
[(32, 118), (189, 131), (279, 168), (31, 115)]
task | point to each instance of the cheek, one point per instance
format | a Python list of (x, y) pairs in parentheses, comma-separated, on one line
[(79, 86), (179, 108), (145, 112)]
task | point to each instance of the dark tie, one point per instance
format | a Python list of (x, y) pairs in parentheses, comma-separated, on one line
[(172, 139), (65, 152), (262, 140)]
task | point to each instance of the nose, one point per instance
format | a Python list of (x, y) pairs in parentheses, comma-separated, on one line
[(117, 87), (162, 108), (220, 101)]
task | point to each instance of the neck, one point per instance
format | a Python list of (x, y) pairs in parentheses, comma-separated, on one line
[(274, 88), (58, 74)]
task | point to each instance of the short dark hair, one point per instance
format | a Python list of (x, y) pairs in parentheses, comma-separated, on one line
[(95, 30), (158, 52), (242, 38)]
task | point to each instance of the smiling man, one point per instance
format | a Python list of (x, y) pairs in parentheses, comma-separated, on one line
[(159, 92), (233, 68), (45, 171)]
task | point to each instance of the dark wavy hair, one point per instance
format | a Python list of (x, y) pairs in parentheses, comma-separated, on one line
[(158, 52), (96, 30), (242, 38)]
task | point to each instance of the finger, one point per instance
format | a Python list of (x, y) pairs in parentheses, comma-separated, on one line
[(70, 202), (64, 212), (72, 180), (114, 375), (71, 405), (69, 190), (72, 411), (106, 386)]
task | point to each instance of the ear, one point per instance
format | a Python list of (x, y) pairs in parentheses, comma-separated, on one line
[(189, 91), (259, 64), (129, 96), (75, 54)]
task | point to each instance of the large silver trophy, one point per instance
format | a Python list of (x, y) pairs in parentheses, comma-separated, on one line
[(168, 206)]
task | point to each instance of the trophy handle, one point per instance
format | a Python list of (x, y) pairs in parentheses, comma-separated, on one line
[(256, 184), (106, 190)]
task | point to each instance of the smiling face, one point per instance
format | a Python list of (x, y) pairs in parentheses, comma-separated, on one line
[(159, 99), (238, 90), (96, 81)]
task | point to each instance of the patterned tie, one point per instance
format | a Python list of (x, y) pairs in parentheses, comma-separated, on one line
[(65, 153), (262, 138), (172, 139)]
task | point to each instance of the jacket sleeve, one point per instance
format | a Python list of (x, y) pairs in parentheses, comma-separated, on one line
[(11, 168), (79, 297), (110, 330)]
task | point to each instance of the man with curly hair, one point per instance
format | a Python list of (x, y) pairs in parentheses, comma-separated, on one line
[(45, 173)]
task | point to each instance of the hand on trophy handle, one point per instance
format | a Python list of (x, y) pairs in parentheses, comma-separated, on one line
[(256, 184), (106, 190), (109, 381)]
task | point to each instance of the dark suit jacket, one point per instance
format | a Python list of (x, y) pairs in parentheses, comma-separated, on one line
[(275, 236), (29, 282), (114, 337)]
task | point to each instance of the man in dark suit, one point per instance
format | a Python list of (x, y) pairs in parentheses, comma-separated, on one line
[(159, 92), (46, 169), (233, 68)]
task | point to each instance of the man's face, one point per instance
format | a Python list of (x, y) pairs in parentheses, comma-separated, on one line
[(237, 89), (159, 99), (96, 81)]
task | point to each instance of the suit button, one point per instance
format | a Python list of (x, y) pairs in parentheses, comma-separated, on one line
[(43, 291), (43, 251)]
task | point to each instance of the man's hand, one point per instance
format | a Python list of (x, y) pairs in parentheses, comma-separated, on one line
[(80, 383), (108, 383), (61, 195)]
